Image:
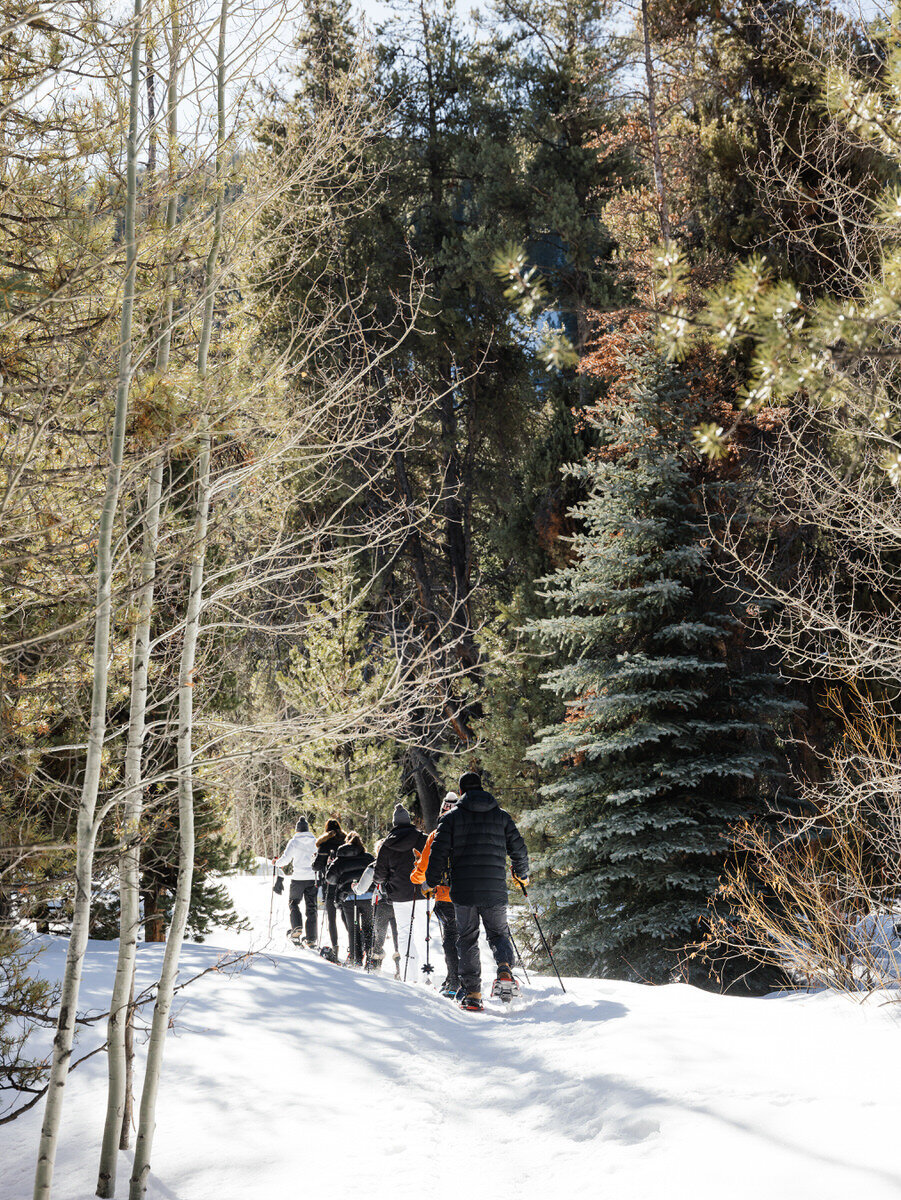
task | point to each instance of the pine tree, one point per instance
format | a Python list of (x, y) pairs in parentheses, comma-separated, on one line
[(341, 672), (667, 740)]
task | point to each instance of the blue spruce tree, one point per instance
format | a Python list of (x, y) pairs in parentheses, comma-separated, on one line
[(668, 738)]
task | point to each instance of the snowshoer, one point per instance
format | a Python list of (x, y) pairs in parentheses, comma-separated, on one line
[(326, 847), (349, 863), (393, 869), (471, 843), (300, 851), (383, 918), (444, 909)]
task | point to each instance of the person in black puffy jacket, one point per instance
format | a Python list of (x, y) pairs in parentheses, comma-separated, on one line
[(470, 847), (393, 867), (326, 848), (349, 863)]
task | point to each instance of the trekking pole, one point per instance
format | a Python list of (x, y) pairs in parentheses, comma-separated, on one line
[(410, 937), (375, 905), (427, 968), (272, 898), (547, 948), (519, 956)]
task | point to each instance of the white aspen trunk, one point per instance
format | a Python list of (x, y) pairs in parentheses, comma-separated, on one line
[(165, 992), (129, 860), (121, 1047), (659, 179), (166, 987), (87, 832), (128, 1103)]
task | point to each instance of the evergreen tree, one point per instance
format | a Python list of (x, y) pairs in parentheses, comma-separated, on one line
[(342, 671), (667, 741), (490, 141)]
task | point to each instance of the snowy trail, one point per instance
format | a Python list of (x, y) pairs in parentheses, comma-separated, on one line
[(296, 1077)]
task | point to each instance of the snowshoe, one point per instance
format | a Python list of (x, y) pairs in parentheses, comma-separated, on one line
[(309, 943), (328, 954), (505, 988), (296, 936), (374, 962), (472, 1002)]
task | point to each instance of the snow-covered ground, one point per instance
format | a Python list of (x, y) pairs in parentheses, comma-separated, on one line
[(298, 1078)]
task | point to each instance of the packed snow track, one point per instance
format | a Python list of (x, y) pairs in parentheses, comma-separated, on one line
[(294, 1077)]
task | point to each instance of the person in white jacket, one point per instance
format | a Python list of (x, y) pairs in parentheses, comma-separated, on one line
[(301, 850)]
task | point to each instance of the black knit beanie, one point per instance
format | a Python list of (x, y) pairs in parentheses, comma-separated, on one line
[(470, 782), (301, 826)]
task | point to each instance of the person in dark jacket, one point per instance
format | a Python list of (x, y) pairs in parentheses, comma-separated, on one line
[(326, 848), (349, 863), (471, 846), (393, 868)]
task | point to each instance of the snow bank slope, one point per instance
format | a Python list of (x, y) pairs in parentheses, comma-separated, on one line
[(297, 1078)]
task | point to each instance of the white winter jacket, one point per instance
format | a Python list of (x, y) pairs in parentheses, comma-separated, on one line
[(301, 850)]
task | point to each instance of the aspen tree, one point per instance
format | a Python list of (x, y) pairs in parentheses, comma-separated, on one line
[(87, 828)]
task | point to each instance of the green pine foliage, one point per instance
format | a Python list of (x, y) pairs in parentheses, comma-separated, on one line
[(216, 855), (341, 676), (667, 739), (26, 1004)]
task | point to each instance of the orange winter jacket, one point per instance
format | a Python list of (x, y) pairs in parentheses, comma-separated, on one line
[(422, 861)]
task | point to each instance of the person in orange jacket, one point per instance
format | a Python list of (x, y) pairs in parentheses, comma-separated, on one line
[(444, 909)]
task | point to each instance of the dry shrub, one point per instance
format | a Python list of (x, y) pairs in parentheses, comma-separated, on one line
[(817, 893)]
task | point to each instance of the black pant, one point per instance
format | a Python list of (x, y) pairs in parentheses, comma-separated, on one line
[(330, 893), (303, 889), (383, 921), (494, 918), (358, 919), (447, 920)]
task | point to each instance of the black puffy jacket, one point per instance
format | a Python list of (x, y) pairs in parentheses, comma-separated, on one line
[(347, 867), (326, 847), (471, 843), (395, 862)]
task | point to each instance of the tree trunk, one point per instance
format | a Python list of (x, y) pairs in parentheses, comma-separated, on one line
[(659, 180), (128, 1104), (154, 918), (87, 832), (166, 987), (120, 1031), (129, 899)]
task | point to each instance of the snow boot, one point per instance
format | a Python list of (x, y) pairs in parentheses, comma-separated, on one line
[(472, 1002), (396, 958), (296, 935), (329, 954), (505, 988), (374, 962), (449, 988), (309, 943)]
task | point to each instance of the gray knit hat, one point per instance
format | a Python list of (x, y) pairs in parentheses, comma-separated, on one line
[(401, 816)]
